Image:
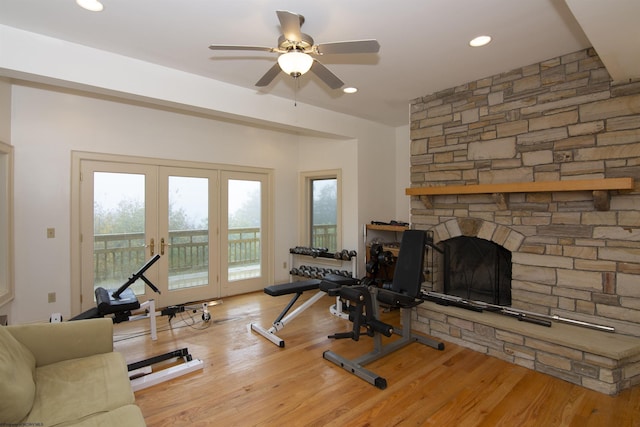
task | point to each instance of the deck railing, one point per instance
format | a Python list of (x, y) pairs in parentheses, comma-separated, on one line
[(324, 236), (118, 256)]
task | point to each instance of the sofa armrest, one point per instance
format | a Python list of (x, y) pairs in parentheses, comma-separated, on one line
[(54, 342)]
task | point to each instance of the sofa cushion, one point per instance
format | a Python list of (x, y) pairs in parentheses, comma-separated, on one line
[(75, 389), (124, 416), (17, 386)]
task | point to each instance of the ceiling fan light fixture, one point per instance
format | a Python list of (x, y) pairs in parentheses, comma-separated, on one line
[(295, 63), (92, 5)]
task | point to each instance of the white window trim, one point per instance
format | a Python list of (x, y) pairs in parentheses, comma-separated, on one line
[(7, 286), (305, 199)]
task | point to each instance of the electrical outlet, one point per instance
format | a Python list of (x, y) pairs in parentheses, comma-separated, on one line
[(51, 297), (284, 265), (51, 233)]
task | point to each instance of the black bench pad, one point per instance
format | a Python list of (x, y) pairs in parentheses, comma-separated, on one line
[(292, 287), (336, 280), (107, 304), (332, 282)]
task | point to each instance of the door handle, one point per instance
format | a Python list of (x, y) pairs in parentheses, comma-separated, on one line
[(151, 247), (162, 245)]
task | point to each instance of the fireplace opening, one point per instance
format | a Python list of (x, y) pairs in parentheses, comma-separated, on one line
[(477, 269)]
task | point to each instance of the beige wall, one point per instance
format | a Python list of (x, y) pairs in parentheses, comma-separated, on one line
[(94, 100), (48, 124)]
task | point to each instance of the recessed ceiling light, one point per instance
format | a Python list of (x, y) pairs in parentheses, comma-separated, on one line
[(92, 5), (480, 41), (350, 89)]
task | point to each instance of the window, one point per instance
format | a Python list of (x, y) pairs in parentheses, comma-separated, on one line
[(6, 223), (322, 210)]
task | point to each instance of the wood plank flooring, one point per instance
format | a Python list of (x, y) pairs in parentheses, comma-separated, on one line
[(249, 381)]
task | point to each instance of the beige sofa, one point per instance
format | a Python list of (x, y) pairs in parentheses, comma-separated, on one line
[(64, 374)]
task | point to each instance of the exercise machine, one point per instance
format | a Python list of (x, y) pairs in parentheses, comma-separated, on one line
[(297, 289), (403, 293), (314, 275), (119, 304)]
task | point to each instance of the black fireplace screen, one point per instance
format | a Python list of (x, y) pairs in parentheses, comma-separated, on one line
[(477, 269)]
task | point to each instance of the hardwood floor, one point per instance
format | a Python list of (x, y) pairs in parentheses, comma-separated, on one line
[(247, 380)]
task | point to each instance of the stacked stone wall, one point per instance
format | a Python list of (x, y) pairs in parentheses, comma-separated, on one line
[(560, 119)]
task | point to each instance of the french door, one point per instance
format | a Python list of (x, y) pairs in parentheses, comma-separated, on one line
[(131, 212), (245, 231)]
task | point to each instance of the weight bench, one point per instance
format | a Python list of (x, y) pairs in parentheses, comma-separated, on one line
[(297, 288), (403, 293)]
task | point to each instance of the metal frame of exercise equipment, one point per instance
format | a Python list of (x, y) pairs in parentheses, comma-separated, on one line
[(404, 293), (121, 303), (285, 317), (380, 349)]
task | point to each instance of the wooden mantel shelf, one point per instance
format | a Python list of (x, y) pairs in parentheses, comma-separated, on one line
[(600, 188), (526, 187)]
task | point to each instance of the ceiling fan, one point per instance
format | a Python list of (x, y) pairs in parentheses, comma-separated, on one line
[(295, 49)]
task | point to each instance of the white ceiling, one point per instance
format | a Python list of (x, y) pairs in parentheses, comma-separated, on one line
[(424, 43)]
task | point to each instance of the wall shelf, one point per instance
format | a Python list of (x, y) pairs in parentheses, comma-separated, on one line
[(386, 227), (600, 188), (526, 187)]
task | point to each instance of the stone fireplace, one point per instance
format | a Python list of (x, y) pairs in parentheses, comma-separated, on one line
[(574, 250)]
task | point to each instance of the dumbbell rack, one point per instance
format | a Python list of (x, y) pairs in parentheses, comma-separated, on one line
[(318, 270), (337, 309)]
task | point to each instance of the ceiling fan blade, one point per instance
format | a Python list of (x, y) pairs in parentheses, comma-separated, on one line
[(326, 76), (355, 46), (269, 76), (290, 25), (231, 47)]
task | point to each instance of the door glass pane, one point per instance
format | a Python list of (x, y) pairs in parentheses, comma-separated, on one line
[(244, 233), (188, 248), (118, 229), (324, 217)]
